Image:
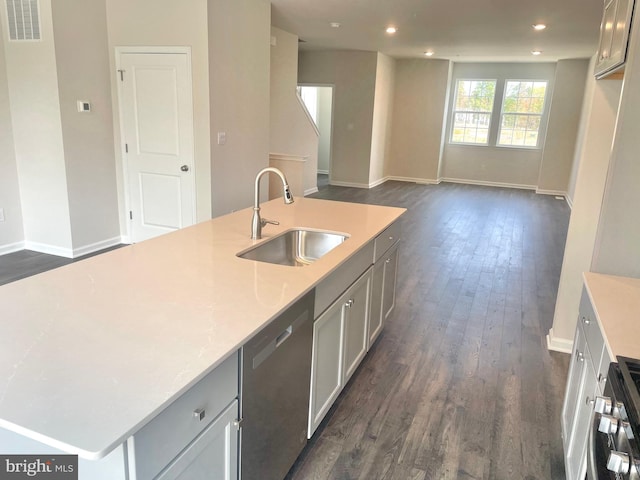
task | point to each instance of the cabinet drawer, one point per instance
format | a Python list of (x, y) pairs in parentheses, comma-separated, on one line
[(338, 281), (591, 329), (158, 442), (386, 239)]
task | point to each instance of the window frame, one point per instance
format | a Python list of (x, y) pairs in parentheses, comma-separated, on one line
[(490, 113), (540, 115)]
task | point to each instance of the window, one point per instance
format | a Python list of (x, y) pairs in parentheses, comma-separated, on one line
[(522, 108), (472, 111)]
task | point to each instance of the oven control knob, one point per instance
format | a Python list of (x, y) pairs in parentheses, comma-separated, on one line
[(618, 462), (603, 405), (608, 424)]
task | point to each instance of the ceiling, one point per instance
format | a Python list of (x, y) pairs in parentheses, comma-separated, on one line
[(460, 30)]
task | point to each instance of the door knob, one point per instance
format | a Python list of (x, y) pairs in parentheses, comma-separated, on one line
[(184, 168)]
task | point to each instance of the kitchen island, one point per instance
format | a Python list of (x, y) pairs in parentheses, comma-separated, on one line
[(92, 352)]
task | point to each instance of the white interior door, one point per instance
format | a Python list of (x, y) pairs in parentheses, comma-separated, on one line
[(157, 124)]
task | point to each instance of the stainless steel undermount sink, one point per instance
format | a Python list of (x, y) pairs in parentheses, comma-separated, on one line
[(296, 247)]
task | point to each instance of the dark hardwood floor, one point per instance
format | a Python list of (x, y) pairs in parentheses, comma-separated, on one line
[(22, 264), (460, 384)]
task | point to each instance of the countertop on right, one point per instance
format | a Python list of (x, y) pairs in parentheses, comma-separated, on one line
[(616, 301)]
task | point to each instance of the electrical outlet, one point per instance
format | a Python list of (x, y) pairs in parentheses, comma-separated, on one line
[(1, 214)]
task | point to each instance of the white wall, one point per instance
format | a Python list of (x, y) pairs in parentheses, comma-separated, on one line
[(325, 115), (564, 121), (83, 74), (382, 118), (167, 23), (617, 249), (489, 164), (419, 106), (354, 75), (239, 38), (585, 110), (37, 135), (291, 130), (599, 118), (11, 230)]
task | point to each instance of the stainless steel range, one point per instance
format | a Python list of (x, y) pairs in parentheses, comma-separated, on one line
[(615, 431)]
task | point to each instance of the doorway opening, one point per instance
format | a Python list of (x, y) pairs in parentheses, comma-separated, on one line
[(318, 100)]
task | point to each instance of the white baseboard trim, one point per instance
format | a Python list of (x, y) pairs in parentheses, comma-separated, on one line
[(95, 247), (323, 172), (558, 344), (126, 239), (488, 184), (557, 193), (569, 201), (11, 247), (348, 184), (48, 249), (421, 181), (310, 191), (380, 181)]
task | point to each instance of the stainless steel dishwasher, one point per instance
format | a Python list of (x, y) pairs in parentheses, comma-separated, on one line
[(276, 371)]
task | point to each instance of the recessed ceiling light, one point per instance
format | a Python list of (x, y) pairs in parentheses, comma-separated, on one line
[(536, 52), (335, 24), (391, 30), (429, 53), (539, 26)]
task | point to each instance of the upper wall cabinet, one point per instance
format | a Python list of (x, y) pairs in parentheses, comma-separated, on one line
[(614, 36)]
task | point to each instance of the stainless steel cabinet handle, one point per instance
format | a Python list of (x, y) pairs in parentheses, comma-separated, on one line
[(199, 414), (388, 260), (350, 303), (579, 357), (586, 321)]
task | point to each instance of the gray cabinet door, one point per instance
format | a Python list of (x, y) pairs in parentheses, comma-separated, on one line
[(326, 363), (389, 283), (355, 324), (213, 455), (375, 314)]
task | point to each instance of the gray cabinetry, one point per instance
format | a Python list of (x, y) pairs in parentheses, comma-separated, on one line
[(339, 345), (587, 376), (348, 323), (213, 455), (193, 435), (383, 297)]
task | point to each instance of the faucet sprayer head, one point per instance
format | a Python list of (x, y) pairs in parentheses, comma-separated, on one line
[(288, 197)]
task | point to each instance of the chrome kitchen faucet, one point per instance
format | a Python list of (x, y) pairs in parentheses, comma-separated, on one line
[(256, 221)]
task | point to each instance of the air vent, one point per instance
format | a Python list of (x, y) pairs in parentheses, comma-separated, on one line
[(24, 21)]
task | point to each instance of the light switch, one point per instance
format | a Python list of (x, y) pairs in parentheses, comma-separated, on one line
[(222, 138), (84, 106)]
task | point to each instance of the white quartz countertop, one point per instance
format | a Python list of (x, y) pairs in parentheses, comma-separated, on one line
[(616, 301), (90, 352)]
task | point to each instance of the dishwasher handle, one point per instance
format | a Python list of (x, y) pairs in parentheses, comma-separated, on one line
[(271, 347), (284, 335)]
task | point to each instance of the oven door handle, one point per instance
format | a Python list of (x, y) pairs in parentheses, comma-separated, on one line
[(592, 469)]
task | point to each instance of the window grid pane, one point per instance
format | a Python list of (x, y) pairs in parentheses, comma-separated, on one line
[(472, 111), (522, 110)]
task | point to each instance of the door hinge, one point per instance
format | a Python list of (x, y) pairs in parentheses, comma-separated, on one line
[(121, 75), (130, 215), (126, 148)]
